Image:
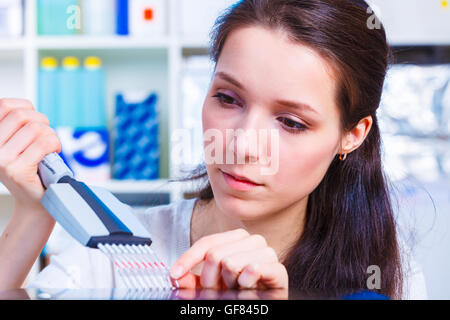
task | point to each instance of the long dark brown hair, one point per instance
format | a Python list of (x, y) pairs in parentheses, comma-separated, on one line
[(350, 222)]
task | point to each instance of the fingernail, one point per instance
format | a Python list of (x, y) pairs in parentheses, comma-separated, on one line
[(177, 271)]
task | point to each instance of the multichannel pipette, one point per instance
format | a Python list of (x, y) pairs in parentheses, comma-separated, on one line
[(97, 219)]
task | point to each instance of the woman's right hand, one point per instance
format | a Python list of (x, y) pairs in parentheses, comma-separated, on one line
[(25, 139)]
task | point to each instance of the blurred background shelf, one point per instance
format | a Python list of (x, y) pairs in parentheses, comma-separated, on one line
[(100, 42), (7, 45), (145, 62)]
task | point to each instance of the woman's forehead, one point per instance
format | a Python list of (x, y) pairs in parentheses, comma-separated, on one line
[(267, 63)]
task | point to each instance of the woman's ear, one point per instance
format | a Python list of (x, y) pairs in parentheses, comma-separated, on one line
[(355, 137)]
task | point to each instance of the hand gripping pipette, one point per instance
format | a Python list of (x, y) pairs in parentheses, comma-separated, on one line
[(97, 219)]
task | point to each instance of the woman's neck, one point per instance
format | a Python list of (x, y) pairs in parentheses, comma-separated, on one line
[(281, 229)]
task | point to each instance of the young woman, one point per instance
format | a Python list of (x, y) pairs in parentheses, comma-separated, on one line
[(313, 71)]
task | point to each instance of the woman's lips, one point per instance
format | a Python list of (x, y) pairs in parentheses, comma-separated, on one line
[(238, 184)]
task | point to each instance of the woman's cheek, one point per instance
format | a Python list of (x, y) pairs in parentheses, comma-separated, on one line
[(218, 118), (207, 117), (303, 166)]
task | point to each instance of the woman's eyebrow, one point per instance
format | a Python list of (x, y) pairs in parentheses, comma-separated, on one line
[(290, 104), (227, 77), (297, 106)]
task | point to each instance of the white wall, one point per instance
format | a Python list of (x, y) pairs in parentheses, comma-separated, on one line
[(414, 21), (424, 215)]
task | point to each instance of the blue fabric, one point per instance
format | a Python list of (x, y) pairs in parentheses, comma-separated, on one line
[(365, 295)]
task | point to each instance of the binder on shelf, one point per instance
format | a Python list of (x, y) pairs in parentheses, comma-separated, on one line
[(11, 18), (136, 138), (98, 17), (58, 17), (122, 17)]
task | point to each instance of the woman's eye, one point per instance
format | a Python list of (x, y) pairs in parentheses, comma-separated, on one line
[(292, 126), (225, 99)]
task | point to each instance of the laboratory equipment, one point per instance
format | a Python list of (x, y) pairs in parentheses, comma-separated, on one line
[(69, 93), (93, 113), (97, 219), (48, 89)]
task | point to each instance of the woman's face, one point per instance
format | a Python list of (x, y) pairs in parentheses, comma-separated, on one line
[(258, 72)]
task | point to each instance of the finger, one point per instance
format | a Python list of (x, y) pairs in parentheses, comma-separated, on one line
[(41, 147), (232, 266), (189, 281), (274, 276), (249, 277), (23, 138), (198, 251), (16, 119), (8, 104), (211, 272), (271, 276)]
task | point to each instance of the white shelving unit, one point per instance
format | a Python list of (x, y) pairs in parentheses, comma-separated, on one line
[(151, 63)]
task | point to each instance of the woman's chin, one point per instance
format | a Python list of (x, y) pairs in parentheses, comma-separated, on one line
[(237, 207)]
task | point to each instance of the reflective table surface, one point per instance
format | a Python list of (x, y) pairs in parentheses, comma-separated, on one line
[(185, 294)]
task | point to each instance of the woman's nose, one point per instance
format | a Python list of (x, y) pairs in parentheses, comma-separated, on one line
[(243, 146), (247, 143)]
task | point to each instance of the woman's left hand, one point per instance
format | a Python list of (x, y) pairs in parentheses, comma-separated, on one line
[(234, 260)]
